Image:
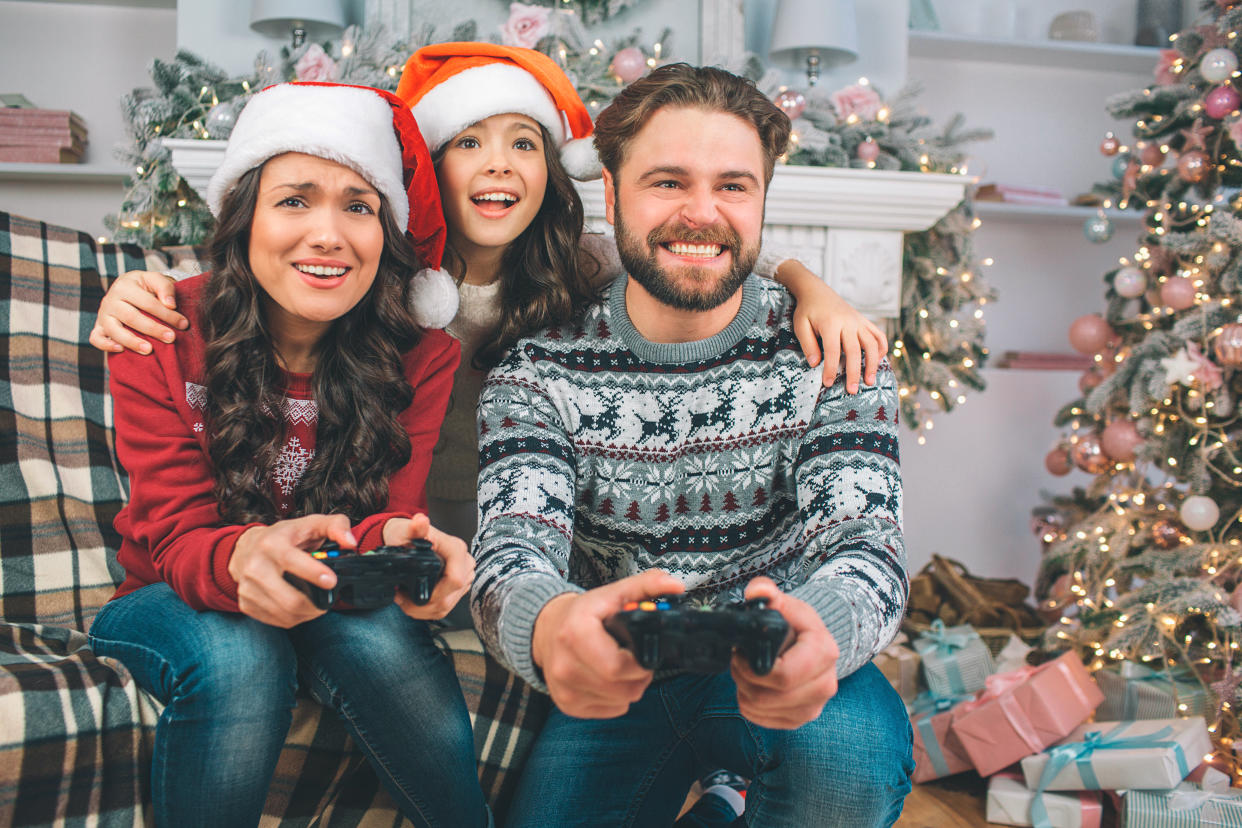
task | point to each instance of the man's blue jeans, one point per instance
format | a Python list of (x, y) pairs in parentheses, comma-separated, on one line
[(850, 767), (228, 684)]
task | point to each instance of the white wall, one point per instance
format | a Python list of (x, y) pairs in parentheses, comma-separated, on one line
[(81, 58)]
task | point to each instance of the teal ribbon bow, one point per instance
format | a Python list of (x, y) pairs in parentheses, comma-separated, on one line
[(940, 641), (929, 702), (1080, 754)]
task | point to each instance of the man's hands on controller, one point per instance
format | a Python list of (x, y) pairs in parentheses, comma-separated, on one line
[(588, 675), (458, 566), (805, 676)]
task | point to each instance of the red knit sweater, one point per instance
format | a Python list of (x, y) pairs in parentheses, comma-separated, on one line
[(171, 530)]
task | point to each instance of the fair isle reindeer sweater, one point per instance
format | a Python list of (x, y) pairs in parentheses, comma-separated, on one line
[(602, 454)]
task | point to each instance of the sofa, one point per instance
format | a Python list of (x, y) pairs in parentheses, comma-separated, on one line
[(76, 733)]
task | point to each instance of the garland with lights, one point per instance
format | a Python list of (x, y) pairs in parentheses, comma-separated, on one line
[(938, 349), (1149, 568)]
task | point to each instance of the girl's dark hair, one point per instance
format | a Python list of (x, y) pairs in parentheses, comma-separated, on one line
[(546, 278), (358, 383)]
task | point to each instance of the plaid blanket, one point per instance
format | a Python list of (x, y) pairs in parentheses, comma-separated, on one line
[(75, 731)]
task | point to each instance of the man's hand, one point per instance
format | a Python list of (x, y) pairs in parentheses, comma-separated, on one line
[(137, 303), (588, 675), (805, 676), (262, 556), (458, 566)]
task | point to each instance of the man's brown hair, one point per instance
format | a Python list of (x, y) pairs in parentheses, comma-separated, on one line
[(693, 87)]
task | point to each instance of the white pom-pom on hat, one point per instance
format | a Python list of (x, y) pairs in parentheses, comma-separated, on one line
[(581, 160), (433, 298)]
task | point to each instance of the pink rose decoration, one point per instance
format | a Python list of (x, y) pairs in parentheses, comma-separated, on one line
[(1208, 373), (1164, 67), (856, 100), (315, 65), (526, 25)]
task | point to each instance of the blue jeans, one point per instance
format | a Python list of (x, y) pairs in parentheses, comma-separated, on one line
[(228, 684), (850, 767)]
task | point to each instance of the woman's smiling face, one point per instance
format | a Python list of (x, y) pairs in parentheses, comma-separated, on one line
[(492, 177)]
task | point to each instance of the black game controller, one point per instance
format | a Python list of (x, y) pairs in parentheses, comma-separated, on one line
[(370, 580), (672, 633)]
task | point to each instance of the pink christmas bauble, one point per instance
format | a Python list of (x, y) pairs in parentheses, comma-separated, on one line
[(1089, 455), (868, 151), (1089, 380), (1151, 154), (1057, 462), (629, 64), (1228, 347), (1110, 144), (1130, 282), (1089, 334), (791, 102), (1119, 439), (1193, 165), (1221, 101), (1178, 293)]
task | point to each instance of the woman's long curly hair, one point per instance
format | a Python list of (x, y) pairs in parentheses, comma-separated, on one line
[(546, 278), (358, 383)]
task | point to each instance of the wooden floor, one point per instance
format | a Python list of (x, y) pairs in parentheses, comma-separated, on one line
[(957, 802)]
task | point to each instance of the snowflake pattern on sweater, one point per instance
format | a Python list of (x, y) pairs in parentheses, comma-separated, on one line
[(603, 455)]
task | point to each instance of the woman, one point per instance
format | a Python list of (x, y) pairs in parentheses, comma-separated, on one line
[(300, 406)]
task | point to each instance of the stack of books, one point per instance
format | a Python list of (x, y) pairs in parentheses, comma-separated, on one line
[(1021, 194), (55, 136)]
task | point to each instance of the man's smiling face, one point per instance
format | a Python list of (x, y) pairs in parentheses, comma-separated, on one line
[(687, 204)]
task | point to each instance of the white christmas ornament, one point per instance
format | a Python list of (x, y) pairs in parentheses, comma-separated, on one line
[(1179, 367), (1218, 65), (433, 298), (1130, 282), (1199, 513)]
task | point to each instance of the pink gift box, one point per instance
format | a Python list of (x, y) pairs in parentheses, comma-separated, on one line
[(1023, 711), (935, 754)]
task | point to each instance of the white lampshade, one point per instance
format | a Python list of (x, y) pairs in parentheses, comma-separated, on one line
[(278, 18), (814, 33)]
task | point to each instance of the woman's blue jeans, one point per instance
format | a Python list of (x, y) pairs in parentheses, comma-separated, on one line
[(228, 684), (850, 767)]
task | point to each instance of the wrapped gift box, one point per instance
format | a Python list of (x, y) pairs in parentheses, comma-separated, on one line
[(1023, 711), (955, 659), (1181, 808), (900, 665), (935, 755), (1146, 754), (1010, 800), (1132, 691)]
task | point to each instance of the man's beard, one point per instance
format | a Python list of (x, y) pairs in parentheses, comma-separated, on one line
[(666, 287)]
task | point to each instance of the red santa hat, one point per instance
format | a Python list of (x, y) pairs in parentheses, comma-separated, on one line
[(449, 86), (373, 133)]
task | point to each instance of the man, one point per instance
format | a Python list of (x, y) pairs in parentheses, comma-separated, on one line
[(675, 439)]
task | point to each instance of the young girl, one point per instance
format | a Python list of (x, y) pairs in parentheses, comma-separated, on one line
[(507, 130), (300, 406)]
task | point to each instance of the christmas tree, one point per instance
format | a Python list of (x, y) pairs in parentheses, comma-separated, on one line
[(1144, 564)]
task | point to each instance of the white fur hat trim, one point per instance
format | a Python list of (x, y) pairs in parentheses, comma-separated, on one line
[(355, 130), (433, 298), (481, 92)]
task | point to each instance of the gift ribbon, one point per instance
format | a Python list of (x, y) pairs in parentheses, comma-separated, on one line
[(997, 690), (929, 702), (932, 746), (1080, 753), (1141, 675)]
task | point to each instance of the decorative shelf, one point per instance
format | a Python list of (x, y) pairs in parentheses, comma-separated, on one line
[(999, 210), (17, 171), (1068, 54)]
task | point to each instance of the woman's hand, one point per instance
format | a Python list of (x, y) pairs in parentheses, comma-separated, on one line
[(822, 315), (458, 566), (134, 303), (262, 556)]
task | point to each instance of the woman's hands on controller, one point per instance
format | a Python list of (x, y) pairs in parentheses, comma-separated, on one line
[(262, 556), (458, 566)]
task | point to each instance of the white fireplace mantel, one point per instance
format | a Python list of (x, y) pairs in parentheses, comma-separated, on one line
[(845, 224)]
